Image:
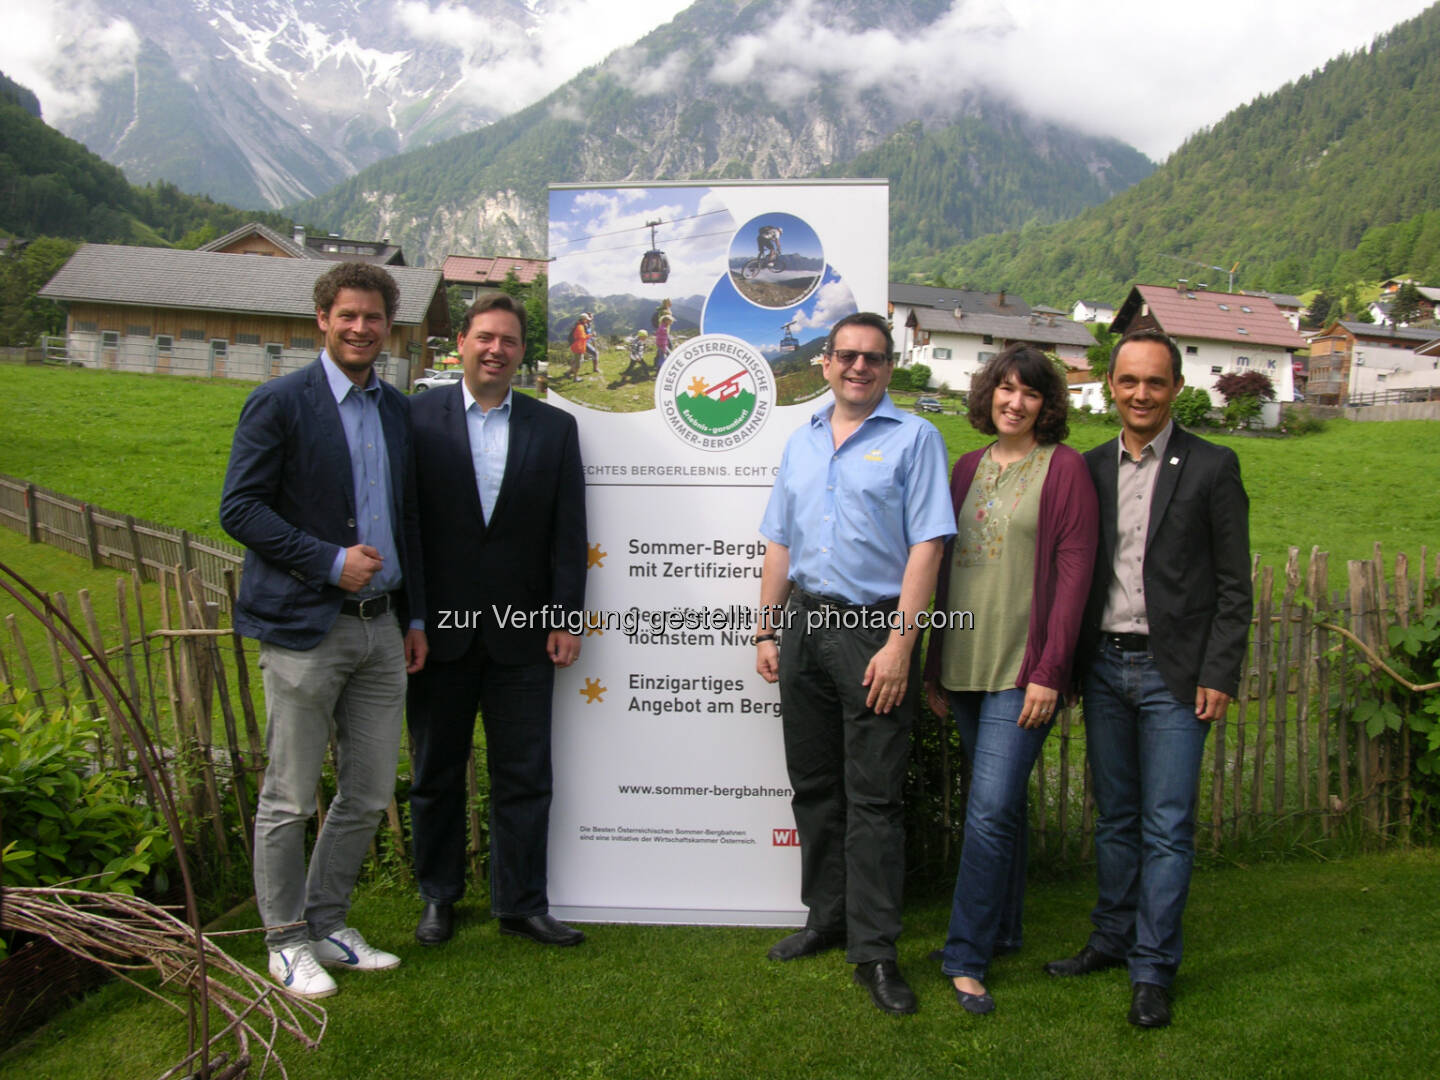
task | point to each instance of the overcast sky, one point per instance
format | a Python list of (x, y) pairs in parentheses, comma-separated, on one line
[(1184, 65)]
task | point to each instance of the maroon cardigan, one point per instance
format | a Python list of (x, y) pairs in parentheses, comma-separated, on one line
[(1065, 543)]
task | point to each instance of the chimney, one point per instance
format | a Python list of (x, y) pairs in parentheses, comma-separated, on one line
[(1180, 284), (300, 235), (1001, 301), (959, 312)]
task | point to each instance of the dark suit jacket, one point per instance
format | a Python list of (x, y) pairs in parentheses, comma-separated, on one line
[(1197, 563), (289, 497), (530, 556)]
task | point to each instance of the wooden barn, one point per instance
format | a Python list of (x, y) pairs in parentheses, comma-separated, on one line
[(222, 315)]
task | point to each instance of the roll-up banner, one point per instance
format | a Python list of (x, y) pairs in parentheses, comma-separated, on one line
[(686, 326)]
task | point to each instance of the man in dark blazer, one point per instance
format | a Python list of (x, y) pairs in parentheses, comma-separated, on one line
[(502, 520), (319, 490), (1162, 652)]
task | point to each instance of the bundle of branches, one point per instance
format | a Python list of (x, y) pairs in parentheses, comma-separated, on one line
[(127, 934)]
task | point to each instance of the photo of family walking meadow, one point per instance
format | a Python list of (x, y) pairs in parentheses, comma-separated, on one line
[(353, 358)]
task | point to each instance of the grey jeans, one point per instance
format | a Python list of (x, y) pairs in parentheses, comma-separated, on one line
[(354, 679)]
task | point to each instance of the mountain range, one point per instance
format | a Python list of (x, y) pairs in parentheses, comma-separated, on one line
[(265, 102)]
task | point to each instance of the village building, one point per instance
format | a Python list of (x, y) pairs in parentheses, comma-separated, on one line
[(475, 274), (1218, 333), (1355, 363), (212, 314)]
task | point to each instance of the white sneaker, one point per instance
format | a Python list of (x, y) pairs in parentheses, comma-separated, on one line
[(346, 948), (296, 970)]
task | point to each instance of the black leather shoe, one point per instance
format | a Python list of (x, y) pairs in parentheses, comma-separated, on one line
[(545, 929), (436, 925), (888, 988), (1084, 962), (1149, 1005), (805, 942)]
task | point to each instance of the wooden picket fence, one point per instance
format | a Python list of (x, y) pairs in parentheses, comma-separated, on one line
[(1288, 765), (119, 541)]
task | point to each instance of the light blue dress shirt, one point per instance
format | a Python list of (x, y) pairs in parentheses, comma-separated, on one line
[(850, 516), (489, 445), (370, 470)]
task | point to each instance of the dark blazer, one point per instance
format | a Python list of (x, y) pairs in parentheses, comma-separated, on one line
[(289, 497), (1197, 563), (529, 557)]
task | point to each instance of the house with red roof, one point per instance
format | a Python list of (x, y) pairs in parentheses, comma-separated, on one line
[(1217, 333), (475, 274)]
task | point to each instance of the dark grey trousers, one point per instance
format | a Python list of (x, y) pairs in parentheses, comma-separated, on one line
[(847, 767)]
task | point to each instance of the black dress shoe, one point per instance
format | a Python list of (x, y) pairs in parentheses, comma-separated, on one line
[(545, 929), (1149, 1005), (1084, 962), (888, 988), (805, 942), (436, 925)]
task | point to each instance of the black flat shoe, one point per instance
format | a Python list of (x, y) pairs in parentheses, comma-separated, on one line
[(888, 988), (544, 929), (805, 942), (436, 925)]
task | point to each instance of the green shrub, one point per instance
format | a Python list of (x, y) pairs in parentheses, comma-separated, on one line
[(64, 820), (1239, 411), (1302, 421), (1192, 406), (919, 376), (901, 380)]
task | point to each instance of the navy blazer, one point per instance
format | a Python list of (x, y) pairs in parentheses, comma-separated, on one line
[(1197, 563), (530, 556), (289, 497)]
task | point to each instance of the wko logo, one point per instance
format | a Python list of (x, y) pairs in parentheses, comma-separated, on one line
[(784, 838)]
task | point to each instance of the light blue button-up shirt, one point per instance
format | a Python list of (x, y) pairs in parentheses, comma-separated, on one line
[(370, 471), (489, 433), (850, 516)]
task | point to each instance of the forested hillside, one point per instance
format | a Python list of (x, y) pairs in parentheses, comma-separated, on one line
[(1324, 182), (50, 185)]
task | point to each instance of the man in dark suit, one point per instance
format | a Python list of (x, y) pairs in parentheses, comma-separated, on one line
[(319, 490), (1162, 651), (502, 517)]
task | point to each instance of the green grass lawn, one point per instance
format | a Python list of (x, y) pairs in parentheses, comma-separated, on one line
[(1309, 970)]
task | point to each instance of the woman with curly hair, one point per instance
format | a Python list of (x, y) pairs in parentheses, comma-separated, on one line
[(1020, 563)]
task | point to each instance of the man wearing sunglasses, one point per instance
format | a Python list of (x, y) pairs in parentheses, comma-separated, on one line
[(856, 523)]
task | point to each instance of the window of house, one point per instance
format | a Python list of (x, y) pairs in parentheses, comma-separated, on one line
[(298, 342), (273, 351), (110, 338), (164, 343), (1246, 310), (942, 353), (988, 340), (192, 335), (1241, 330), (1216, 370), (247, 339), (1224, 307), (1192, 350), (86, 326), (137, 330), (985, 357), (218, 348)]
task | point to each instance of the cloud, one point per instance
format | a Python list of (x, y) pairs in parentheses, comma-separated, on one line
[(833, 301), (514, 63), (63, 52), (1146, 73)]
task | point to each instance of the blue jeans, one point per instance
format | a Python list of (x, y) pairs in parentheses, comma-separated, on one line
[(354, 678), (1145, 747), (990, 885)]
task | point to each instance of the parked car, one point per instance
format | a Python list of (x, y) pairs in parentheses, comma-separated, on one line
[(928, 404), (437, 380)]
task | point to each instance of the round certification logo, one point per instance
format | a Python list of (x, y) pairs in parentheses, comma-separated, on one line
[(715, 392)]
